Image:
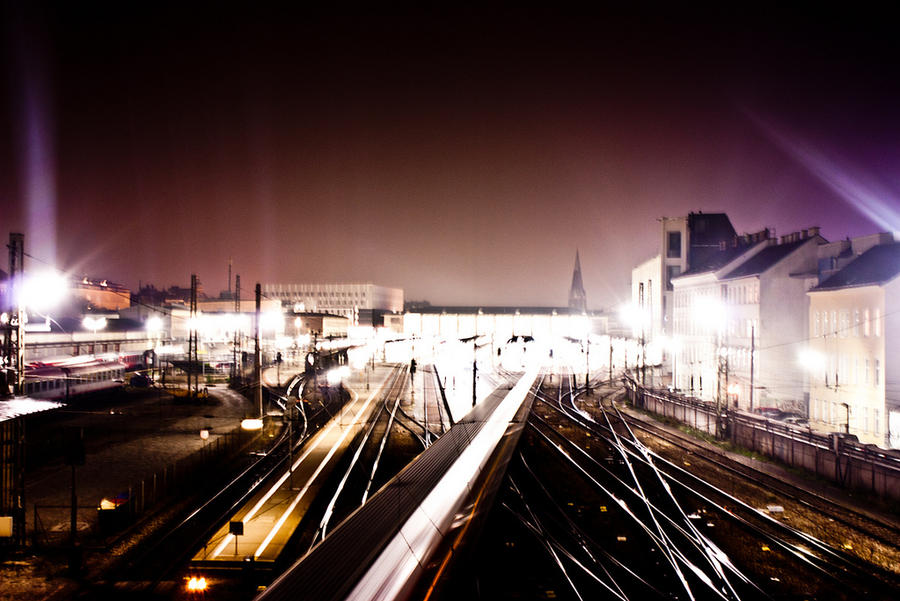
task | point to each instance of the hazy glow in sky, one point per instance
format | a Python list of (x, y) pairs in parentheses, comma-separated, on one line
[(861, 190), (462, 158)]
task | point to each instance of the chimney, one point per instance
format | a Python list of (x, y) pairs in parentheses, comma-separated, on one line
[(804, 234), (813, 231)]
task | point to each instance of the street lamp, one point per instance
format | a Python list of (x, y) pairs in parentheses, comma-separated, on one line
[(36, 291), (94, 323)]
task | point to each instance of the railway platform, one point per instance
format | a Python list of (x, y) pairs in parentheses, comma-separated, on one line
[(262, 527)]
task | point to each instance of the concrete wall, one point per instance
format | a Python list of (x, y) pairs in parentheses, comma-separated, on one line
[(842, 460)]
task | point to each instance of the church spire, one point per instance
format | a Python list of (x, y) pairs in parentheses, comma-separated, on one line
[(577, 296)]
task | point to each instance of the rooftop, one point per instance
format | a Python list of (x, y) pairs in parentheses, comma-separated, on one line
[(488, 310), (765, 259), (878, 265), (714, 260)]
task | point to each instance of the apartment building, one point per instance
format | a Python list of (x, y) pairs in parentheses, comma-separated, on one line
[(741, 318), (852, 360)]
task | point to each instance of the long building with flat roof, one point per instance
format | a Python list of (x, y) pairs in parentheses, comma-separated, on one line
[(361, 303)]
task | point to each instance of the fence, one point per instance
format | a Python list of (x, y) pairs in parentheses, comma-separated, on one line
[(51, 523), (835, 456)]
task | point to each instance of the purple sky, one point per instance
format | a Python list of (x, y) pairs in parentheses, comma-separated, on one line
[(461, 158)]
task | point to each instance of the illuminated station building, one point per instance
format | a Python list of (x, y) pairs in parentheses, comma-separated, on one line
[(502, 323), (362, 304)]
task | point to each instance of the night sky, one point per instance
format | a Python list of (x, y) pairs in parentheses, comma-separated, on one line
[(461, 157)]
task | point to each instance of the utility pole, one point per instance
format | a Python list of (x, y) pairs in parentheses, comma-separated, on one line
[(235, 372), (721, 382), (14, 329), (587, 363), (229, 275), (847, 422), (12, 492), (192, 342), (643, 355), (257, 368), (752, 352), (474, 368), (610, 359)]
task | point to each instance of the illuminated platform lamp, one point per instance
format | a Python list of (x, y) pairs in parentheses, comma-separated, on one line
[(197, 584), (252, 423)]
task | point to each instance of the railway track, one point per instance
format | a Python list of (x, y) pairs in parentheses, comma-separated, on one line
[(870, 525), (360, 475), (626, 466)]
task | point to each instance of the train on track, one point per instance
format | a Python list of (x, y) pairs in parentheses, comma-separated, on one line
[(63, 380)]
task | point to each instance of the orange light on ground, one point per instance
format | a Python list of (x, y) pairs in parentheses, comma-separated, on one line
[(197, 584)]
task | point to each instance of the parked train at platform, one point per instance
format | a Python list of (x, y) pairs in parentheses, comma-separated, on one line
[(64, 380)]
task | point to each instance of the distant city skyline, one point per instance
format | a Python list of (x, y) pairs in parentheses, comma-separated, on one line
[(463, 158)]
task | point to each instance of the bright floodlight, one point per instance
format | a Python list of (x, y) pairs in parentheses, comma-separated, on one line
[(43, 290), (272, 320), (813, 361), (634, 316), (252, 424), (94, 323), (154, 324), (710, 311), (334, 377)]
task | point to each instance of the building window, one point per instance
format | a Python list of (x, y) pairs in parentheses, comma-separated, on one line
[(673, 248), (866, 323), (877, 372), (868, 369), (856, 323), (824, 323), (816, 323), (877, 322), (834, 322)]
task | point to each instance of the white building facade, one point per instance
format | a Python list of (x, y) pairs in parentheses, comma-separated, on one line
[(852, 361), (739, 326), (348, 300)]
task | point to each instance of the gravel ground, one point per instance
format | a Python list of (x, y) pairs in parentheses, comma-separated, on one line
[(128, 439)]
